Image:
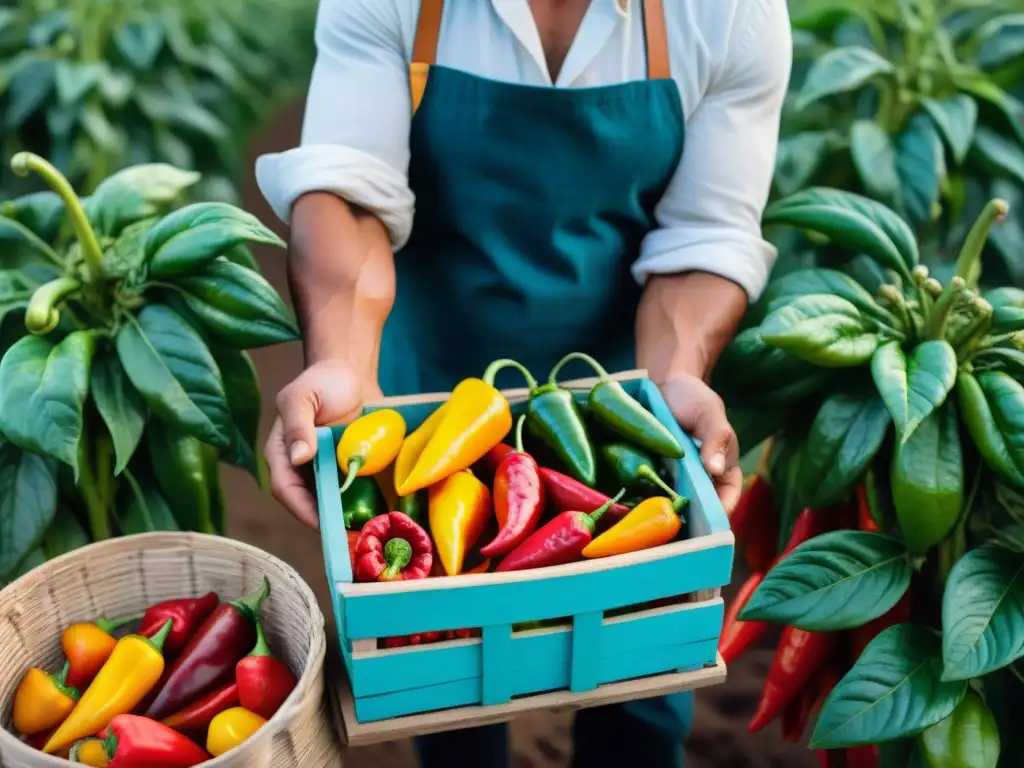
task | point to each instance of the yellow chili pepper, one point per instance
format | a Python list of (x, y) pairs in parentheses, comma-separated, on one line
[(474, 420), (650, 523), (369, 444), (230, 728), (42, 700), (90, 752), (460, 508), (412, 447), (128, 675)]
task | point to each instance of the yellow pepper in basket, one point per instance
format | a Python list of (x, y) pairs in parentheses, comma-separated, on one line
[(460, 508), (369, 444), (42, 701), (230, 728)]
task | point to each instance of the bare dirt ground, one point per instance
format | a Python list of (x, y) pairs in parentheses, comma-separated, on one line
[(541, 740)]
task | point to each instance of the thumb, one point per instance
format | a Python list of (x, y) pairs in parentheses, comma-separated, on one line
[(312, 400)]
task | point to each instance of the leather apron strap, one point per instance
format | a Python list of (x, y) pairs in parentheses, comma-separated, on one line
[(428, 32)]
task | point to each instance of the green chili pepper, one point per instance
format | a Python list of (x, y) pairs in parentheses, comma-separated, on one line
[(180, 468), (968, 738), (611, 405), (413, 505), (553, 416), (361, 502), (633, 468)]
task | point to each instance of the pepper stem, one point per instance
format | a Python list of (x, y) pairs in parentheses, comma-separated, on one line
[(519, 434), (598, 368), (354, 465), (41, 316), (599, 512), (110, 625), (261, 649), (647, 473), (968, 263), (251, 603), (110, 744), (158, 640), (24, 163), (678, 503), (74, 753), (498, 365), (61, 681), (397, 554)]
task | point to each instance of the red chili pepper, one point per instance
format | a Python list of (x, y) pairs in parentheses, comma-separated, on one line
[(138, 742), (493, 458), (809, 524), (797, 713), (755, 524), (567, 494), (862, 757), (865, 520), (518, 498), (187, 613), (738, 636), (226, 636), (264, 681), (560, 541), (861, 636), (423, 638), (393, 547), (197, 715), (799, 655)]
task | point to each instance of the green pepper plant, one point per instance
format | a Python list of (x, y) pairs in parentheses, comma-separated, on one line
[(910, 393), (124, 379), (908, 102)]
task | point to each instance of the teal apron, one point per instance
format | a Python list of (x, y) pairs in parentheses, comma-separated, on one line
[(531, 205)]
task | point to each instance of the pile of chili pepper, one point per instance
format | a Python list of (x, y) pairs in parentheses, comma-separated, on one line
[(452, 497), (195, 679)]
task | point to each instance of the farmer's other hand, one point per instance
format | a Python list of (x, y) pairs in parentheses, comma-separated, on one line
[(702, 414), (328, 392)]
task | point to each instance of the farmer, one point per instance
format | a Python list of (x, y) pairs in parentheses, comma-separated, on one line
[(525, 178)]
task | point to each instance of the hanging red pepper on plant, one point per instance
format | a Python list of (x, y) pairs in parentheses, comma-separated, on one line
[(264, 681), (197, 715), (798, 712), (518, 498), (138, 742), (567, 494), (755, 524), (187, 613), (865, 520), (738, 636), (88, 645), (392, 547), (865, 756), (226, 636)]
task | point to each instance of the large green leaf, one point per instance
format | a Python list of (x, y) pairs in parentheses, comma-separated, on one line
[(65, 534), (912, 388), (28, 502), (180, 470), (186, 240), (20, 247), (1008, 309), (999, 154), (143, 508), (169, 364), (44, 390), (852, 221), (992, 409), (825, 330), (40, 212), (956, 118), (839, 580), (750, 369), (799, 158), (894, 690), (136, 193), (841, 70), (15, 291), (242, 385), (968, 738), (811, 282), (846, 434), (140, 42), (983, 613), (120, 405), (920, 164), (875, 159), (1011, 107)]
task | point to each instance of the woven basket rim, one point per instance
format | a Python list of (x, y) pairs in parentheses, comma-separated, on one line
[(314, 665)]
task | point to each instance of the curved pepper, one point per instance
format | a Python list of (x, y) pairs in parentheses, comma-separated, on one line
[(518, 498), (554, 416), (42, 701), (459, 510), (651, 523), (369, 444), (361, 503), (567, 494), (230, 728), (755, 523), (799, 655), (392, 547), (633, 468), (131, 671), (264, 681), (560, 541), (88, 645), (187, 613), (738, 636), (616, 409), (197, 715)]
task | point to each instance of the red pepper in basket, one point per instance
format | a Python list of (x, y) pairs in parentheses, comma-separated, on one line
[(264, 681), (518, 498), (197, 715), (567, 494), (738, 636), (562, 540), (187, 613), (755, 524), (226, 636), (138, 742), (393, 547), (799, 655), (862, 757), (493, 458)]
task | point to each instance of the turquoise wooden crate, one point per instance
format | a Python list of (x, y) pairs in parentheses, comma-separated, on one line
[(606, 649)]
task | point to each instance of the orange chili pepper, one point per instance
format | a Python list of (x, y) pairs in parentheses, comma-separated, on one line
[(42, 701), (460, 508), (650, 523), (88, 645)]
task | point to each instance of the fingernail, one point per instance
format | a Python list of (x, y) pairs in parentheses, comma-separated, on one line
[(299, 452), (716, 465)]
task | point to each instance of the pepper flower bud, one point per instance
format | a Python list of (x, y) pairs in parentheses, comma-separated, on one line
[(933, 287), (920, 274)]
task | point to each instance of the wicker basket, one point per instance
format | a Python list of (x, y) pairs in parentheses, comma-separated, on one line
[(123, 576)]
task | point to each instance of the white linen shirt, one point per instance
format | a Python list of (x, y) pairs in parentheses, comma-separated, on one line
[(730, 58)]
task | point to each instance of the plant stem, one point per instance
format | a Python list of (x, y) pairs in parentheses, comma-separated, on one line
[(968, 263), (24, 163), (95, 491)]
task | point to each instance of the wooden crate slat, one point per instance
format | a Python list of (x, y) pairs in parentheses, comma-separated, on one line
[(586, 651)]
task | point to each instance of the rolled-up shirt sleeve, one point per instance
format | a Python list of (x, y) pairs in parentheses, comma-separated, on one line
[(710, 217), (355, 137)]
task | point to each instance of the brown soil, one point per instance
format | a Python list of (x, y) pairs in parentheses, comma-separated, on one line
[(540, 740)]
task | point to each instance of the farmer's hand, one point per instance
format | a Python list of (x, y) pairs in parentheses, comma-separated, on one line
[(702, 414), (327, 392)]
